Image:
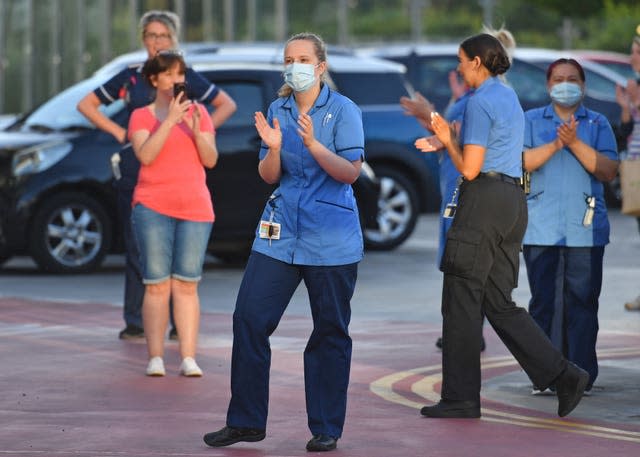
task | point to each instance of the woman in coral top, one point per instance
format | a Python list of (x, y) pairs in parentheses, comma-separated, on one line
[(172, 216)]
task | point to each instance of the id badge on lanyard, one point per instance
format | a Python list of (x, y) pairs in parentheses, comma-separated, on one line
[(452, 206), (270, 230)]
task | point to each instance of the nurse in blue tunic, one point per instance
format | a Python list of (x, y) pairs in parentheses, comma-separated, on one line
[(570, 151), (481, 255), (313, 146)]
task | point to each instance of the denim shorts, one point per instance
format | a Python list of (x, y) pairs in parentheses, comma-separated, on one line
[(169, 247)]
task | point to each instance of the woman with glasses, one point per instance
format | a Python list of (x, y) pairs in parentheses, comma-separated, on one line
[(160, 31), (569, 151)]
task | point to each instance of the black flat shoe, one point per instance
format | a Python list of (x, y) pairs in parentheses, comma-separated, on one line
[(449, 409), (230, 435), (322, 443), (570, 387), (131, 332)]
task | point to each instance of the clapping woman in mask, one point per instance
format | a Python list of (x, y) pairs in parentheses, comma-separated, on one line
[(313, 147), (570, 152)]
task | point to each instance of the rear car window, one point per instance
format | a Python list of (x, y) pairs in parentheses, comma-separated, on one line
[(371, 88)]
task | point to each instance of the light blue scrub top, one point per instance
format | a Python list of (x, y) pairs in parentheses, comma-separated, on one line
[(559, 188), (493, 118), (319, 217)]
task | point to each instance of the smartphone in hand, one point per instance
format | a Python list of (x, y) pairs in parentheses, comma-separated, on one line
[(179, 87)]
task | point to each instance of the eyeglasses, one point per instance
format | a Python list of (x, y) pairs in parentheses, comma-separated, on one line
[(156, 36)]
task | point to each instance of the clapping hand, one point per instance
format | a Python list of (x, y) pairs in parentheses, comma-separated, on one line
[(629, 96), (444, 134), (567, 132), (458, 88), (271, 136), (419, 107), (306, 129)]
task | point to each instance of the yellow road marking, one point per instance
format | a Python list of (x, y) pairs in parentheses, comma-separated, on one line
[(432, 375)]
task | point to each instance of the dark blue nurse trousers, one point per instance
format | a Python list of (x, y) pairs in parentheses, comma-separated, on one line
[(266, 289), (572, 278), (133, 286)]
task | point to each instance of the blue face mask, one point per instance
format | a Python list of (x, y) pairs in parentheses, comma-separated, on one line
[(566, 94), (300, 76)]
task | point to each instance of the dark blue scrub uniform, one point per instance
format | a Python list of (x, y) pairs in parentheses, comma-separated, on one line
[(320, 243)]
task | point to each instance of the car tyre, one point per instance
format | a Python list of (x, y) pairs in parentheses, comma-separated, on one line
[(397, 210), (71, 233)]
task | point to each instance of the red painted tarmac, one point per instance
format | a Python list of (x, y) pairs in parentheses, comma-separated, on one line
[(71, 388)]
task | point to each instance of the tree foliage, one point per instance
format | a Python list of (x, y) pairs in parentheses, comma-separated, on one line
[(593, 24)]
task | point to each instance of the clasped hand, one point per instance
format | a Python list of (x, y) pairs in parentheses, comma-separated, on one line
[(568, 132)]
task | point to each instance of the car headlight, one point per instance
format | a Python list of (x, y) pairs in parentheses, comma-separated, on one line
[(36, 159)]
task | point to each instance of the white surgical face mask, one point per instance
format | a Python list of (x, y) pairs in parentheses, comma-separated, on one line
[(300, 76), (566, 94)]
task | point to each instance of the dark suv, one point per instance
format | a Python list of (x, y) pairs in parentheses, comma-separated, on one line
[(56, 196)]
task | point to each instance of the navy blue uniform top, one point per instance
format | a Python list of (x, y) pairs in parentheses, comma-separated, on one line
[(131, 86)]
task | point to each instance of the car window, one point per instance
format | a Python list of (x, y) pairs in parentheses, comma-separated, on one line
[(432, 76), (60, 113), (371, 88), (529, 82), (599, 87), (623, 69), (248, 98)]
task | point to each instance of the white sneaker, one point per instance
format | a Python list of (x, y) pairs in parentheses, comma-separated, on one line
[(190, 368), (155, 367)]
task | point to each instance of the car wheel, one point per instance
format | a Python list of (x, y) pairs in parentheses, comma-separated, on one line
[(71, 233), (398, 210)]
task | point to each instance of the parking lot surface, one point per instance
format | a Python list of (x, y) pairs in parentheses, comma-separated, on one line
[(71, 388)]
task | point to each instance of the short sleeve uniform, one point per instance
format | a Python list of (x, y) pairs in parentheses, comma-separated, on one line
[(559, 188), (493, 119), (318, 215), (131, 86), (174, 184)]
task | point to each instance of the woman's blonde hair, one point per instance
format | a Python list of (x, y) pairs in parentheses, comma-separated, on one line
[(320, 49), (505, 37), (168, 18)]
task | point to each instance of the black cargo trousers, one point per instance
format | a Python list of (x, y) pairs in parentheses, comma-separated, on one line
[(480, 265)]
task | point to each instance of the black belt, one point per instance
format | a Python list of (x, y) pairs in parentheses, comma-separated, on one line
[(500, 177)]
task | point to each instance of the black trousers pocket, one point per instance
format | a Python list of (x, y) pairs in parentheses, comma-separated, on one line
[(461, 252)]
